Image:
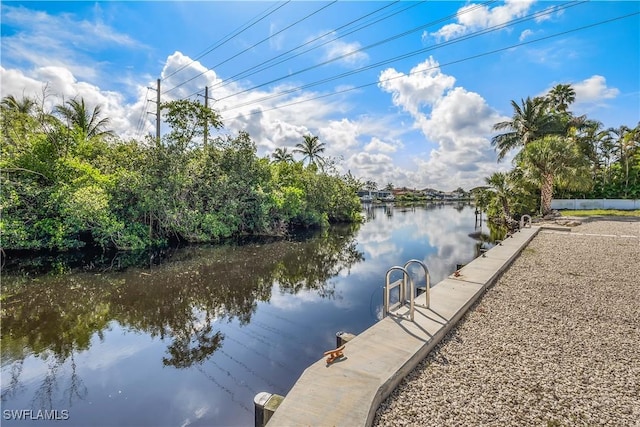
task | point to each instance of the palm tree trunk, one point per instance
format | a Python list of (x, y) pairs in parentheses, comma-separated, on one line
[(546, 194)]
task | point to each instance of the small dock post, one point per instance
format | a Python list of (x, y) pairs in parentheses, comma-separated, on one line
[(343, 337), (265, 406)]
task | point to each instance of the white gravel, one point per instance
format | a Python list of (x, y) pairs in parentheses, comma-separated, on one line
[(556, 341)]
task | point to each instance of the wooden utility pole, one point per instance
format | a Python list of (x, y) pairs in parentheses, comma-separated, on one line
[(206, 106)]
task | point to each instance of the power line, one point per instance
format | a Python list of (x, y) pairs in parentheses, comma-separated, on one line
[(244, 74), (353, 52), (443, 65), (393, 59), (143, 113), (229, 37), (229, 80), (253, 46)]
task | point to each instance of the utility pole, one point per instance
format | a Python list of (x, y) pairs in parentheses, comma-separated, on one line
[(206, 106), (158, 114)]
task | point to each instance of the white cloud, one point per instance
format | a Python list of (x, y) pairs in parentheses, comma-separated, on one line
[(341, 136), (59, 40), (458, 121), (424, 85), (378, 145), (547, 14), (593, 90), (476, 17), (347, 52), (526, 33)]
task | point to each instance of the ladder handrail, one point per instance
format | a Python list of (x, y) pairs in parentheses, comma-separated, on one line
[(524, 219), (427, 279), (403, 288)]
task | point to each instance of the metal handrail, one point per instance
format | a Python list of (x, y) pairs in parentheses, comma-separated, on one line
[(427, 279), (403, 291), (524, 219)]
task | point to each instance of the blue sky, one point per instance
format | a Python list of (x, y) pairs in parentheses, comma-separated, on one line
[(400, 92)]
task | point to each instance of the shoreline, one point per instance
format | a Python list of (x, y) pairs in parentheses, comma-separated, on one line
[(553, 341)]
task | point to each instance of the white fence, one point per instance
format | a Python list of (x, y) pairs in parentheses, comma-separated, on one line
[(584, 204)]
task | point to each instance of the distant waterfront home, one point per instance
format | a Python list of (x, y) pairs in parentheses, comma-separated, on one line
[(402, 191), (368, 196)]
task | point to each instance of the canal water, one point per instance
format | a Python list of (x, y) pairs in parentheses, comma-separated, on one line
[(190, 341)]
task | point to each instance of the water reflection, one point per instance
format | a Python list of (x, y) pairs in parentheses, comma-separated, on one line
[(191, 340), (54, 317)]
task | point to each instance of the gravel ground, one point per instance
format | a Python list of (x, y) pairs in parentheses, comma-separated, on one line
[(556, 341)]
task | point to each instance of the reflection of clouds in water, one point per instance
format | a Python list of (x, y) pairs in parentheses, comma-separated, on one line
[(437, 236), (288, 302), (369, 234), (32, 370), (195, 405), (445, 230), (297, 302), (114, 350), (376, 251), (447, 240)]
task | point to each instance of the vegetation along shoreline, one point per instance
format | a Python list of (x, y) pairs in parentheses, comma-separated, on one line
[(70, 182)]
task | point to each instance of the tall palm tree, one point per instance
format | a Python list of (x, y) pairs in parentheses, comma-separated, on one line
[(530, 121), (88, 123), (554, 160), (311, 148), (282, 155), (560, 96)]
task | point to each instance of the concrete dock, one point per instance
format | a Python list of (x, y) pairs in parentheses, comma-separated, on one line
[(348, 392)]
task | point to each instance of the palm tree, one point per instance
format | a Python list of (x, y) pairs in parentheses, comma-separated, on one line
[(282, 155), (530, 121), (24, 105), (627, 142), (501, 185), (592, 141), (554, 160), (311, 148), (88, 123), (560, 96)]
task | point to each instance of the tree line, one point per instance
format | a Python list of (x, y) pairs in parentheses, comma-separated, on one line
[(559, 154), (69, 181)]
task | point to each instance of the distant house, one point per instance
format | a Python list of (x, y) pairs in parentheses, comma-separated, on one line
[(385, 195), (449, 195), (431, 193), (369, 196), (401, 191)]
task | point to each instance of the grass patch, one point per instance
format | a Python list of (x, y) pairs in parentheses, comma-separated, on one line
[(601, 212)]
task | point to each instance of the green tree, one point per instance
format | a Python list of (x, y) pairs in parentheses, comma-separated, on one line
[(26, 105), (502, 188), (560, 97), (311, 148), (87, 123), (188, 121), (530, 121), (554, 161), (626, 142), (282, 155)]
